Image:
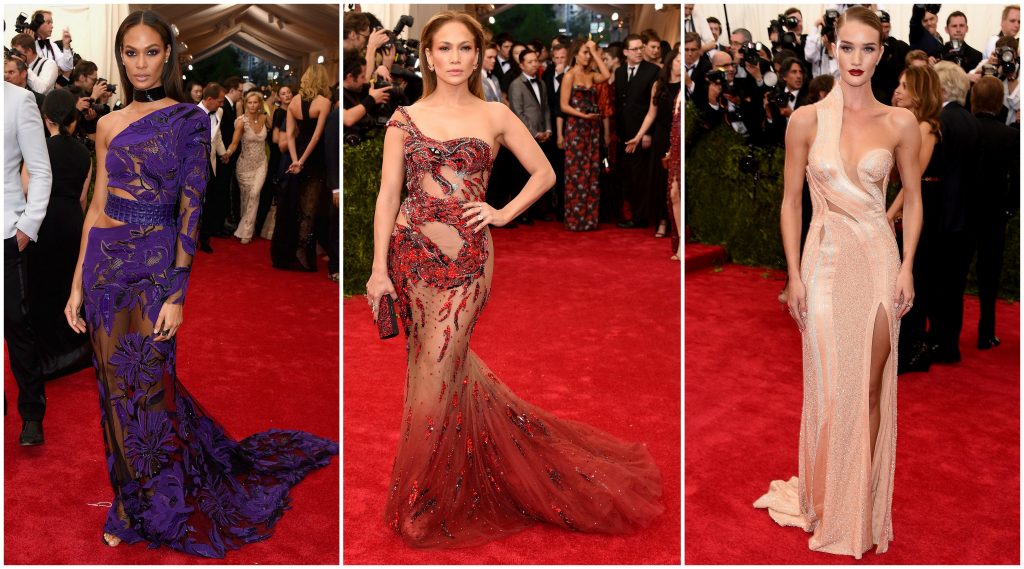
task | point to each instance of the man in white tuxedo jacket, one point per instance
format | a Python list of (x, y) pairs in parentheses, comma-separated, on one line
[(23, 215)]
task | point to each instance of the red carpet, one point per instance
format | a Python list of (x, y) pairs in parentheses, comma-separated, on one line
[(701, 256), (957, 488), (259, 350), (585, 325)]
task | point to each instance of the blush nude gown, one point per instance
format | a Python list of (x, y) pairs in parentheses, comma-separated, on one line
[(848, 425)]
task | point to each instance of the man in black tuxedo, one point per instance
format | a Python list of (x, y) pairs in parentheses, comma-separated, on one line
[(998, 186), (504, 63), (787, 97), (219, 198), (552, 78), (955, 211), (695, 67), (894, 54), (967, 57), (633, 83)]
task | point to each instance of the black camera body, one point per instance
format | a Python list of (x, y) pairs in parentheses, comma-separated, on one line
[(780, 97), (1008, 64), (783, 27), (828, 26), (953, 51), (22, 23), (407, 49)]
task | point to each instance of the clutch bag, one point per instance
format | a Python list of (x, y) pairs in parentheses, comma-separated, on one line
[(387, 320)]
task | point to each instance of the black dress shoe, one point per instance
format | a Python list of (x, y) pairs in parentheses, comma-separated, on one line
[(31, 433), (628, 224), (988, 343)]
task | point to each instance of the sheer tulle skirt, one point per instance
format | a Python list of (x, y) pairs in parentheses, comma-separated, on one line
[(475, 462)]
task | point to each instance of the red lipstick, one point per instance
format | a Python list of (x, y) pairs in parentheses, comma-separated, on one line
[(856, 72)]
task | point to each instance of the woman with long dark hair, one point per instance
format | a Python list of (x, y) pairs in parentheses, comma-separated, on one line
[(581, 135), (475, 462), (846, 294), (178, 478), (920, 91)]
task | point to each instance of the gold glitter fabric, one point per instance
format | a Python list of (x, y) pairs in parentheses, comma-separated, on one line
[(843, 493)]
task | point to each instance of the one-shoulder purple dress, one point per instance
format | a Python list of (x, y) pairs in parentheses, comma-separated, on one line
[(179, 479)]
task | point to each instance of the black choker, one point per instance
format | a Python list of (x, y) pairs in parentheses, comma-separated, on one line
[(149, 95)]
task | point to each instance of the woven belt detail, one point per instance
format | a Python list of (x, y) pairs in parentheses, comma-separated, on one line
[(139, 213)]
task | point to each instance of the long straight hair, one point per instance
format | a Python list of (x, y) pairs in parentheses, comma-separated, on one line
[(170, 76), (426, 41), (924, 88)]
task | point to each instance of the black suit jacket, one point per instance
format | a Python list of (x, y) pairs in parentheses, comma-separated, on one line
[(554, 103), (227, 123), (700, 86), (969, 58), (920, 38), (633, 100), (998, 175), (960, 146)]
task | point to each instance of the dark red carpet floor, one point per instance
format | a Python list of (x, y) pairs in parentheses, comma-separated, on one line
[(259, 350), (957, 490), (585, 325)]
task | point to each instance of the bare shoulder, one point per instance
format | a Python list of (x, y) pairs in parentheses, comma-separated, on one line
[(804, 119), (902, 118), (498, 113)]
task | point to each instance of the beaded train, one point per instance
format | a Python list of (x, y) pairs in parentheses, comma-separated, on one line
[(475, 462)]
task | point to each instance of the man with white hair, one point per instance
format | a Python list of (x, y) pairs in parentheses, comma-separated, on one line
[(954, 210)]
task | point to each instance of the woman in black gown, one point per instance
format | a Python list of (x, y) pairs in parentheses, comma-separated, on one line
[(304, 189), (61, 350)]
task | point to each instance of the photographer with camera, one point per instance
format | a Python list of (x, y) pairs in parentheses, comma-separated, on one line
[(89, 90), (1009, 26), (820, 46), (893, 61), (735, 101), (1003, 64), (924, 21), (360, 102), (40, 27), (956, 49), (786, 32), (42, 73), (361, 37), (786, 98), (16, 73)]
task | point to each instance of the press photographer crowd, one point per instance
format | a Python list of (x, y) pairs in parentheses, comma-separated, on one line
[(283, 195), (967, 101), (602, 115)]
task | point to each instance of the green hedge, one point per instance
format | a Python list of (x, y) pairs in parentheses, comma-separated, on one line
[(740, 212), (361, 184)]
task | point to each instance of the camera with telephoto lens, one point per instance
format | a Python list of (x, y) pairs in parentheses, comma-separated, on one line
[(828, 26), (780, 97), (22, 23), (751, 53), (952, 51), (110, 88), (1007, 62), (783, 27), (406, 50)]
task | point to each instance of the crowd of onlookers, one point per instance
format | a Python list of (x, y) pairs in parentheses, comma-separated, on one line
[(602, 116), (967, 103)]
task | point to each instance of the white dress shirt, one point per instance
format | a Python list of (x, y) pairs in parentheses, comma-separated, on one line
[(216, 144), (23, 138), (65, 58), (42, 75)]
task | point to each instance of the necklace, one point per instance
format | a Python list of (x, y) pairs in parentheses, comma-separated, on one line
[(149, 95)]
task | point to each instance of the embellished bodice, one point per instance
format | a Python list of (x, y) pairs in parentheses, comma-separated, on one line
[(150, 158), (832, 187), (252, 138), (583, 99), (441, 175)]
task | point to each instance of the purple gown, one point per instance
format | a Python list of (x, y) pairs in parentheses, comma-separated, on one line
[(179, 479)]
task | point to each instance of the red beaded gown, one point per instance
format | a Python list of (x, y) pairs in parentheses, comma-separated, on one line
[(475, 462)]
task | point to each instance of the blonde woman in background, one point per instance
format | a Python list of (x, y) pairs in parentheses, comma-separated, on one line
[(251, 171)]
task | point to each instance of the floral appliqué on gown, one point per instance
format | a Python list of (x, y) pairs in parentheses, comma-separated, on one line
[(475, 462), (178, 478)]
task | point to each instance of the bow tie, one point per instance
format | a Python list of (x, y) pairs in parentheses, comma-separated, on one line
[(532, 81), (43, 43), (212, 113), (791, 96)]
